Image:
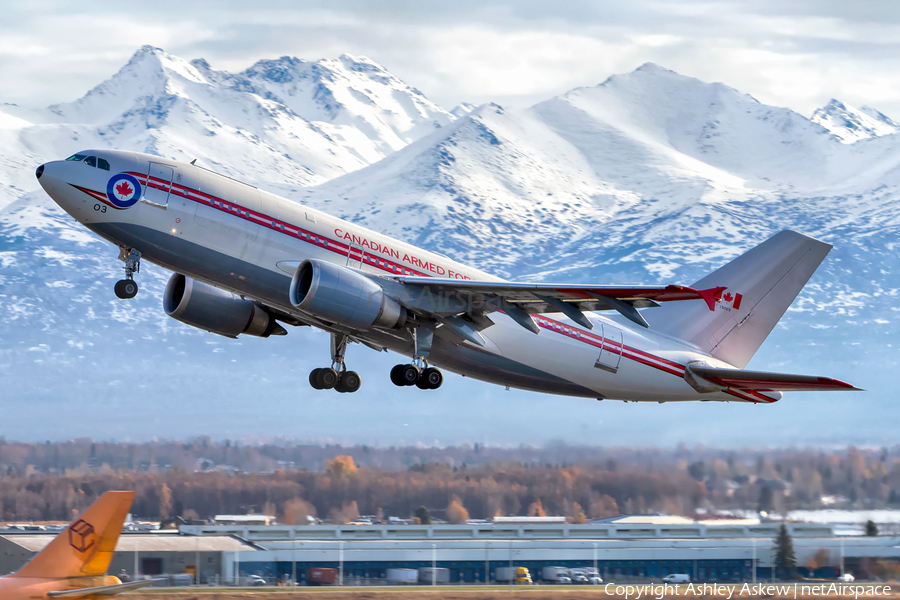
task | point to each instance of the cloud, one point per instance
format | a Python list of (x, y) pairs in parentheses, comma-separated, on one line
[(797, 54)]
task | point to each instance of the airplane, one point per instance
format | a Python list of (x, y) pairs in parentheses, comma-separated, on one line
[(74, 564), (247, 262)]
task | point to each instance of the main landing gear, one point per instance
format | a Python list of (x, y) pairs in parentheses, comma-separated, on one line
[(336, 376), (428, 378), (128, 287), (418, 373)]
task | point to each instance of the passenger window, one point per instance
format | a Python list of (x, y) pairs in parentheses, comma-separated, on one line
[(91, 161), (76, 157), (101, 162)]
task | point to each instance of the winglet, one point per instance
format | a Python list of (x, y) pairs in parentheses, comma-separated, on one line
[(86, 546), (712, 296)]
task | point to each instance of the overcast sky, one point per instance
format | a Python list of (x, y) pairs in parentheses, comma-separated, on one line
[(796, 54)]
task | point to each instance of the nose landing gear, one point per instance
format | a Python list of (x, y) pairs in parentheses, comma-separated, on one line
[(128, 287), (336, 376)]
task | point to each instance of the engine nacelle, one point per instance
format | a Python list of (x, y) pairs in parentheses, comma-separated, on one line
[(340, 295), (217, 311)]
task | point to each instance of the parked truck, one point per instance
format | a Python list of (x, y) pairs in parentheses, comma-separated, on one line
[(431, 576), (321, 576), (585, 575), (402, 576), (518, 575), (557, 575)]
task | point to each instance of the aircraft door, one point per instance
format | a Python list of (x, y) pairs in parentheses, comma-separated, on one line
[(611, 353), (355, 255), (159, 184), (181, 206)]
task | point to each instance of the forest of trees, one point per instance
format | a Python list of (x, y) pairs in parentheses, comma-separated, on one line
[(199, 479)]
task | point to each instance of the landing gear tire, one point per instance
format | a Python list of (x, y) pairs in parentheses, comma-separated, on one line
[(349, 382), (407, 374), (432, 378), (326, 379), (313, 375), (126, 288), (395, 376)]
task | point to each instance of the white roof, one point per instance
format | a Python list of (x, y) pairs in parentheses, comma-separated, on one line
[(529, 520), (145, 543)]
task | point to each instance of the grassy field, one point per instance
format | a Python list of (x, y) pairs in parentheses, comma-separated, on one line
[(803, 591)]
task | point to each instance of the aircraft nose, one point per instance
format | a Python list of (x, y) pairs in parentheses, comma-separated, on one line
[(39, 171)]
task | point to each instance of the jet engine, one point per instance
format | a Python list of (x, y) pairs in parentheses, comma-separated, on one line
[(217, 311), (340, 295)]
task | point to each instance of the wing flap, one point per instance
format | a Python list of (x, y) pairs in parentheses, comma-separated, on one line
[(760, 381), (459, 295)]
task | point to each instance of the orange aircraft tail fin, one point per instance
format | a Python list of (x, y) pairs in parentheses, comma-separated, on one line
[(86, 546)]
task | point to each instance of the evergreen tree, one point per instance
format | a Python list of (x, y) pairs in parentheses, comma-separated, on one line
[(423, 515), (785, 561), (871, 528)]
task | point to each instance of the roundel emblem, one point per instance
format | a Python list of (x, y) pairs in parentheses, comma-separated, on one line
[(123, 190)]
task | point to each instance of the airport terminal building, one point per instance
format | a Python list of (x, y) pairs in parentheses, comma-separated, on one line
[(622, 549)]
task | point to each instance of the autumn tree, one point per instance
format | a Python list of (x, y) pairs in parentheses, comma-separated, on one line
[(165, 501), (536, 509), (348, 513), (456, 512), (576, 515), (603, 508), (340, 466), (297, 511)]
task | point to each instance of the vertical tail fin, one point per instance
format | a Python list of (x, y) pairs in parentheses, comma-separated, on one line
[(761, 284), (86, 546)]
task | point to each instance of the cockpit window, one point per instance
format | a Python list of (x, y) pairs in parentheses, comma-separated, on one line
[(77, 157), (103, 164), (91, 161)]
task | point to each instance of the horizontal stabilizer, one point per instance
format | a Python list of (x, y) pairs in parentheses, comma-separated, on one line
[(759, 381), (103, 591)]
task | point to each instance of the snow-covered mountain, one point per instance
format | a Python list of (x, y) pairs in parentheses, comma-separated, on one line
[(648, 177), (851, 124), (285, 120)]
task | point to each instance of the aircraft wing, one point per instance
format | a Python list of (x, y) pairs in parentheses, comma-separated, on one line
[(102, 591), (519, 300), (760, 381)]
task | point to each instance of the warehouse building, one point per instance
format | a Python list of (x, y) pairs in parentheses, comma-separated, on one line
[(621, 548), (633, 547)]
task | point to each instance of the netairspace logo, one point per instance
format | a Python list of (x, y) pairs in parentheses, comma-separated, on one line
[(791, 590)]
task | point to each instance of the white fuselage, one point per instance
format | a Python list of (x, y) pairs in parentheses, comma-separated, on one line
[(236, 237)]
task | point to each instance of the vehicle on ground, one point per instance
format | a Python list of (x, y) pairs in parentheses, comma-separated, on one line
[(321, 576), (256, 581), (677, 578), (557, 575), (846, 578), (402, 576), (247, 262), (432, 575), (517, 575)]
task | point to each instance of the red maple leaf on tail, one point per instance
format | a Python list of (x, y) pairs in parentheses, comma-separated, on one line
[(123, 188), (727, 297)]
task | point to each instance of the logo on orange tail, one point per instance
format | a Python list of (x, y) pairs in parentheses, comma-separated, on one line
[(82, 535)]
